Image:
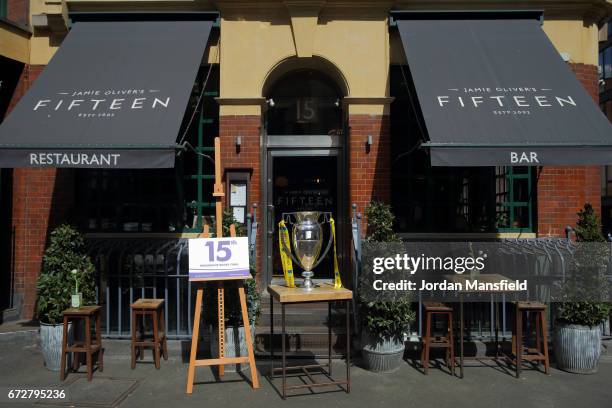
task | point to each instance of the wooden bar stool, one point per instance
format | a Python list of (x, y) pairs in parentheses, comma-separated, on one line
[(75, 315), (154, 309), (537, 312), (448, 342)]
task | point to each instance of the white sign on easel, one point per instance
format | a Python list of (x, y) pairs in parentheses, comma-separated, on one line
[(219, 258)]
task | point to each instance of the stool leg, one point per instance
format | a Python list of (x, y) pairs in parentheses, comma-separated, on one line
[(88, 348), (76, 328), (537, 332), (155, 340), (99, 342), (426, 344), (64, 346), (451, 339), (162, 323), (133, 345), (447, 349), (142, 333), (545, 341), (519, 342), (423, 352)]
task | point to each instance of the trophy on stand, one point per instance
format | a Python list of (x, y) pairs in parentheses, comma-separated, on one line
[(307, 238)]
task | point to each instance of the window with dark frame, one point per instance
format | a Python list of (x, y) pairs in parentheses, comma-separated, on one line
[(450, 199)]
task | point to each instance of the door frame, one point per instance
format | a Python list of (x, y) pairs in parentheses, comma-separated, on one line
[(301, 146)]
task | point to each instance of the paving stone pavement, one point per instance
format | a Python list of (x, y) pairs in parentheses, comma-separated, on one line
[(118, 386)]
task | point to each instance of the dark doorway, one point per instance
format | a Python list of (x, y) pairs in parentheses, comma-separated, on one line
[(304, 183), (305, 163)]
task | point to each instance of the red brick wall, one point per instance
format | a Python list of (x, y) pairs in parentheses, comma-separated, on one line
[(562, 191), (588, 76), (41, 199), (369, 167), (28, 75), (17, 11), (248, 127)]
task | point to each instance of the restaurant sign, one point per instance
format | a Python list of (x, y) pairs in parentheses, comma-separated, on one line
[(114, 95)]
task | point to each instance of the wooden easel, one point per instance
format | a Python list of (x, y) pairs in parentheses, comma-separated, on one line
[(221, 360)]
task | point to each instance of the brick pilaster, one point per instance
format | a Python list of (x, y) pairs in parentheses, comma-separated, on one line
[(247, 158), (562, 190), (369, 166), (41, 200)]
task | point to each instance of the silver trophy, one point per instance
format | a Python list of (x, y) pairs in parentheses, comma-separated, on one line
[(307, 238)]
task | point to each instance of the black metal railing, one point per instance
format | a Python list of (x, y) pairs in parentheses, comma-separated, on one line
[(129, 268)]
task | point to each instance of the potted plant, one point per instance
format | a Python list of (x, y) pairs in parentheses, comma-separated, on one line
[(235, 336), (384, 322), (577, 338), (56, 285)]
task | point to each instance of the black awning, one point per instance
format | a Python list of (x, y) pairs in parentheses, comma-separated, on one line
[(497, 92), (113, 96)]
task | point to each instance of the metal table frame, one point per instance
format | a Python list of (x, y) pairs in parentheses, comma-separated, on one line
[(462, 357), (498, 350), (305, 368)]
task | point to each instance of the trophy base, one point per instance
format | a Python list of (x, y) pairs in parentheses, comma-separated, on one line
[(307, 284)]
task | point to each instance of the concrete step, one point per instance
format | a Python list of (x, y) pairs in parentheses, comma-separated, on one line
[(306, 326), (300, 344)]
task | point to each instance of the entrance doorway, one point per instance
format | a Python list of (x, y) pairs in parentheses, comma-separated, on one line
[(304, 162), (303, 181)]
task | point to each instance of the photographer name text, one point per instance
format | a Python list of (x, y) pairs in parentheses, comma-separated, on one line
[(474, 285)]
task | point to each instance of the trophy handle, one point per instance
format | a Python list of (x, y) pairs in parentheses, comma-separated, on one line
[(326, 218), (329, 244)]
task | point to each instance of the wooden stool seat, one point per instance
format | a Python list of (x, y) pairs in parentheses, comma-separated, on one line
[(154, 309), (147, 304), (86, 346), (432, 341), (530, 306), (436, 307), (537, 312)]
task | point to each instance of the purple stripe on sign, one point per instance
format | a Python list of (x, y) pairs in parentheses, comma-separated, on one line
[(220, 274)]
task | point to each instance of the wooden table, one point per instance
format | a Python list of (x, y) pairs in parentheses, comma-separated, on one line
[(321, 293), (86, 313), (486, 278)]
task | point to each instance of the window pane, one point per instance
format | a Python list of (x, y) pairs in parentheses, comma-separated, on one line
[(521, 217), (520, 190)]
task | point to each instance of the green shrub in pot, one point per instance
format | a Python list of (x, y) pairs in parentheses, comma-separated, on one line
[(383, 322), (577, 337), (57, 283)]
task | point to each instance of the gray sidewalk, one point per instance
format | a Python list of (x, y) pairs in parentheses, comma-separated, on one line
[(119, 386)]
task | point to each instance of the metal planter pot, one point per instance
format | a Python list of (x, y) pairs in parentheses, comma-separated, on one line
[(51, 343), (382, 355), (577, 348), (235, 346)]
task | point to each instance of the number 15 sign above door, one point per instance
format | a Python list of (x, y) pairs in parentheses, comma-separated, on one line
[(218, 259)]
